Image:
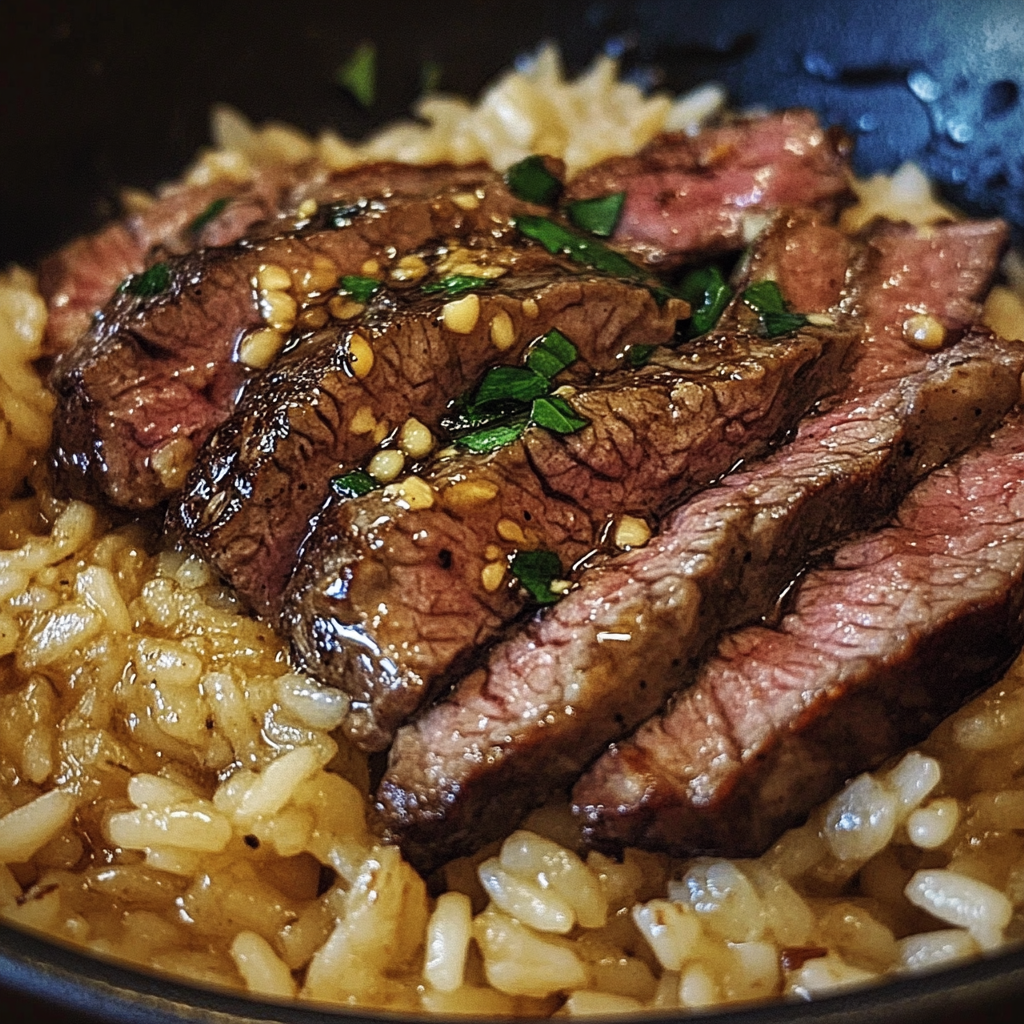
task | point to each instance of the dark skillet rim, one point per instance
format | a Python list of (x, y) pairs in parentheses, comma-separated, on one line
[(66, 978)]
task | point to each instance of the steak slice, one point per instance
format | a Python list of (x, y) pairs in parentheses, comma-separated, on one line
[(83, 276), (249, 502), (900, 630), (391, 600), (159, 371), (689, 195), (553, 694)]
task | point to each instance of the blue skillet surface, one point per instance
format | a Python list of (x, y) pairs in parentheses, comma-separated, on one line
[(98, 95)]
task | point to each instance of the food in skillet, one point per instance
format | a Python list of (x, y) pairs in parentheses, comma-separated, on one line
[(506, 460)]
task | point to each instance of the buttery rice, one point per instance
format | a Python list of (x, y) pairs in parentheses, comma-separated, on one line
[(174, 795)]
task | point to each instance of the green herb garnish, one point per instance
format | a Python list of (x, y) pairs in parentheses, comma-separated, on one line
[(512, 398), (150, 282), (638, 355), (212, 212), (354, 484), (552, 354), (456, 284), (359, 289), (536, 571), (358, 74), (765, 299), (708, 295), (583, 249), (510, 384), (491, 438), (555, 414), (532, 182), (598, 216)]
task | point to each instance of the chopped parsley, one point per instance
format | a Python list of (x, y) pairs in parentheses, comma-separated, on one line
[(708, 295), (455, 284), (359, 289), (354, 484), (536, 571), (765, 299), (211, 213), (498, 435), (150, 282), (531, 181), (552, 354), (555, 414), (511, 398), (580, 248), (599, 216), (358, 74), (510, 384), (639, 355)]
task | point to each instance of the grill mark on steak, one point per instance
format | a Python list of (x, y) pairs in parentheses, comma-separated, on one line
[(903, 627), (688, 195), (160, 374), (375, 609), (249, 501), (371, 610), (558, 690)]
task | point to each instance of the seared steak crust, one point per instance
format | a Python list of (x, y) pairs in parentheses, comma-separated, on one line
[(553, 695), (894, 635), (249, 501), (605, 658), (389, 601), (155, 375)]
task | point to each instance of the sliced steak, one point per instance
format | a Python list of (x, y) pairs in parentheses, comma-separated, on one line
[(249, 502), (81, 278), (707, 193), (391, 600), (157, 373), (898, 632), (557, 691)]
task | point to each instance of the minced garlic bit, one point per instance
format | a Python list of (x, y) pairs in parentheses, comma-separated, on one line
[(307, 208), (468, 493), (415, 439), (492, 575), (510, 530), (466, 200), (460, 315), (503, 331), (386, 465), (344, 309), (412, 492), (272, 277), (530, 308), (315, 317), (924, 332), (371, 268), (631, 532), (360, 356), (279, 310), (491, 552), (409, 268), (320, 277), (172, 461), (260, 348)]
